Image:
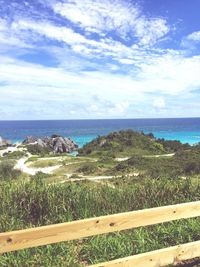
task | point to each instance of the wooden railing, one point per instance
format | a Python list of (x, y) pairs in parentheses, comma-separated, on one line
[(28, 238)]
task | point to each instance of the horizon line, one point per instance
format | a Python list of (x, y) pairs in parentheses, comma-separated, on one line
[(151, 118)]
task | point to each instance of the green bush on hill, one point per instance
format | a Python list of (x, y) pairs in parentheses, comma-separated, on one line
[(37, 150), (14, 155), (129, 142), (173, 145), (122, 142), (183, 163), (7, 171), (189, 160), (88, 168)]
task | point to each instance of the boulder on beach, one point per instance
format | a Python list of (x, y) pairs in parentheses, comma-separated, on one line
[(55, 143), (4, 142)]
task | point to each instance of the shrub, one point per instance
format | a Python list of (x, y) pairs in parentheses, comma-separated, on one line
[(15, 155), (37, 150), (7, 172), (88, 168)]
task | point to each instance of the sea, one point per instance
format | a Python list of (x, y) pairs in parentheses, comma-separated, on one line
[(186, 130)]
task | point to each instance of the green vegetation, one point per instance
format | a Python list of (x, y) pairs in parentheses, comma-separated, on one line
[(143, 177), (127, 143), (183, 163), (173, 145), (7, 172), (38, 150), (14, 155), (3, 147), (32, 158), (44, 163), (88, 168), (34, 203)]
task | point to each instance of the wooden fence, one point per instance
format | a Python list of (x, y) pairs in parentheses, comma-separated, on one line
[(38, 236)]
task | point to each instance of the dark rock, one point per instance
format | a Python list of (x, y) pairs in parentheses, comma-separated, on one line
[(55, 143), (55, 135), (30, 140)]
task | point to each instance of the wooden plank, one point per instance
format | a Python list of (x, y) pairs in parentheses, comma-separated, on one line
[(44, 235), (157, 258)]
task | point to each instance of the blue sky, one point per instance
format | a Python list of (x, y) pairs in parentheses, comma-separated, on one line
[(78, 59)]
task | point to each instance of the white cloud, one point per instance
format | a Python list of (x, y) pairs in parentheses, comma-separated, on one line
[(166, 75), (191, 41), (49, 30), (99, 16), (54, 92), (107, 108), (195, 36), (116, 16), (121, 107), (171, 74), (8, 37), (151, 30), (78, 42), (105, 47), (102, 17), (126, 61), (159, 103), (125, 74)]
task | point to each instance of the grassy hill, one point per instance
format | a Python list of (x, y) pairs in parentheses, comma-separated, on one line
[(129, 142), (122, 143)]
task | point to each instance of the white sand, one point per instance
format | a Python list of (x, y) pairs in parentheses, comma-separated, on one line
[(20, 165)]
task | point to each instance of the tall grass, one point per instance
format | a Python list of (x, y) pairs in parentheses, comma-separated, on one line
[(7, 172), (26, 204)]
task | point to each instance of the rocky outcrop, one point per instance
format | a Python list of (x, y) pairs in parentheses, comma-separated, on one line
[(30, 140), (55, 143), (4, 142)]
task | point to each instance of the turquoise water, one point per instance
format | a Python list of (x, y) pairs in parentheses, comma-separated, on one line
[(191, 137), (184, 137), (187, 130)]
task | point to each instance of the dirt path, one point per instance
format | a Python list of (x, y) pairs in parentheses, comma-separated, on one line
[(147, 156), (122, 159), (159, 156), (21, 165), (32, 171)]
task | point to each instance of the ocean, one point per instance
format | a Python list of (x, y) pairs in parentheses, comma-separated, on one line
[(186, 130)]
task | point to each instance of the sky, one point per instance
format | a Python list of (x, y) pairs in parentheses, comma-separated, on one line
[(93, 59)]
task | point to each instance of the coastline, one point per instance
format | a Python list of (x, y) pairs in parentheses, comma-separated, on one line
[(83, 131), (191, 138)]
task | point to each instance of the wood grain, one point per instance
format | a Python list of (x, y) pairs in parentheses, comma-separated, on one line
[(157, 258), (44, 235)]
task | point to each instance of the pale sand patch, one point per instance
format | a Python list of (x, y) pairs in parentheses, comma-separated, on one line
[(122, 159), (20, 165), (159, 156)]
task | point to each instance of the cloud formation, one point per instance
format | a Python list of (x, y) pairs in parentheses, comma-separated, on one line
[(120, 17), (92, 59), (195, 36)]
